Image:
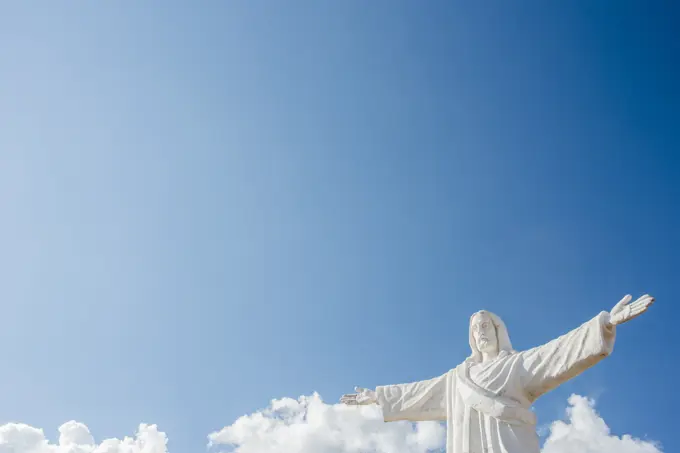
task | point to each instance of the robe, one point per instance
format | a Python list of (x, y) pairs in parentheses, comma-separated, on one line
[(487, 406)]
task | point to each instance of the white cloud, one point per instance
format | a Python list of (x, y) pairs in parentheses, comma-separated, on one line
[(75, 437), (586, 432), (308, 425)]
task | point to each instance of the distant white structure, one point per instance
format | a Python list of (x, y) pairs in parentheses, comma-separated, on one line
[(486, 400)]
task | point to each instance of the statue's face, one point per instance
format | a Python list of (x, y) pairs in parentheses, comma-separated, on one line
[(484, 333)]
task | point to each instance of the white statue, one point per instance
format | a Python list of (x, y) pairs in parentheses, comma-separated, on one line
[(486, 400)]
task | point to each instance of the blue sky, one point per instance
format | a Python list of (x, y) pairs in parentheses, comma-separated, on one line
[(209, 206)]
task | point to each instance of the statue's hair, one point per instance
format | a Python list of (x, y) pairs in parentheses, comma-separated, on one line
[(504, 344)]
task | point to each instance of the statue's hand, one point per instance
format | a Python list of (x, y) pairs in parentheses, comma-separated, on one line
[(363, 396), (623, 311)]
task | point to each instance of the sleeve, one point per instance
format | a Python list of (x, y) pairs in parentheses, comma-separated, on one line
[(549, 365), (417, 401)]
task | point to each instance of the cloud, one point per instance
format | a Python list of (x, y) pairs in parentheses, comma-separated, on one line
[(586, 432), (308, 425), (75, 437)]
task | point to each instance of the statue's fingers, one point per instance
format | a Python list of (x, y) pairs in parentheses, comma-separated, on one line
[(642, 302), (359, 389), (639, 309), (622, 303), (648, 300), (644, 298), (637, 304), (627, 298)]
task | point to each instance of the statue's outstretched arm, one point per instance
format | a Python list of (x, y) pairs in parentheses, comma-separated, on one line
[(413, 401), (549, 365)]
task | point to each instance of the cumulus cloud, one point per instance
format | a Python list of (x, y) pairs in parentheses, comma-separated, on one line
[(75, 437), (308, 425), (586, 432)]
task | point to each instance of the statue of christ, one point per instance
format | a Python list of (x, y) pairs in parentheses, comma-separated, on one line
[(486, 400)]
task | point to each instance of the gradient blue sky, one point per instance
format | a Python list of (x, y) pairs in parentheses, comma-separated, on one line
[(209, 205)]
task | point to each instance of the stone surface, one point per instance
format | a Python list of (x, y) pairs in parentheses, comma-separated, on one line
[(486, 400)]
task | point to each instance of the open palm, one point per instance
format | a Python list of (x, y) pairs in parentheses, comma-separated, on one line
[(362, 397), (625, 311)]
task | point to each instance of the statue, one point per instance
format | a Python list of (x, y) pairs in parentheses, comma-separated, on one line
[(486, 400)]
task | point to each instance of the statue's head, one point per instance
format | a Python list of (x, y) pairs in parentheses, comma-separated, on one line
[(488, 334)]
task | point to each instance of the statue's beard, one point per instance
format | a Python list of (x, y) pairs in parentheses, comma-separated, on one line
[(484, 345)]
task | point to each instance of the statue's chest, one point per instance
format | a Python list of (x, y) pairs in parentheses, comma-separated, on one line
[(482, 375), (498, 377)]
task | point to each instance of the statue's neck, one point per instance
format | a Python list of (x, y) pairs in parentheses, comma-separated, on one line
[(488, 356)]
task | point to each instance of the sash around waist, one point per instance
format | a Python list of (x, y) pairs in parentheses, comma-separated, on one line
[(484, 401)]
